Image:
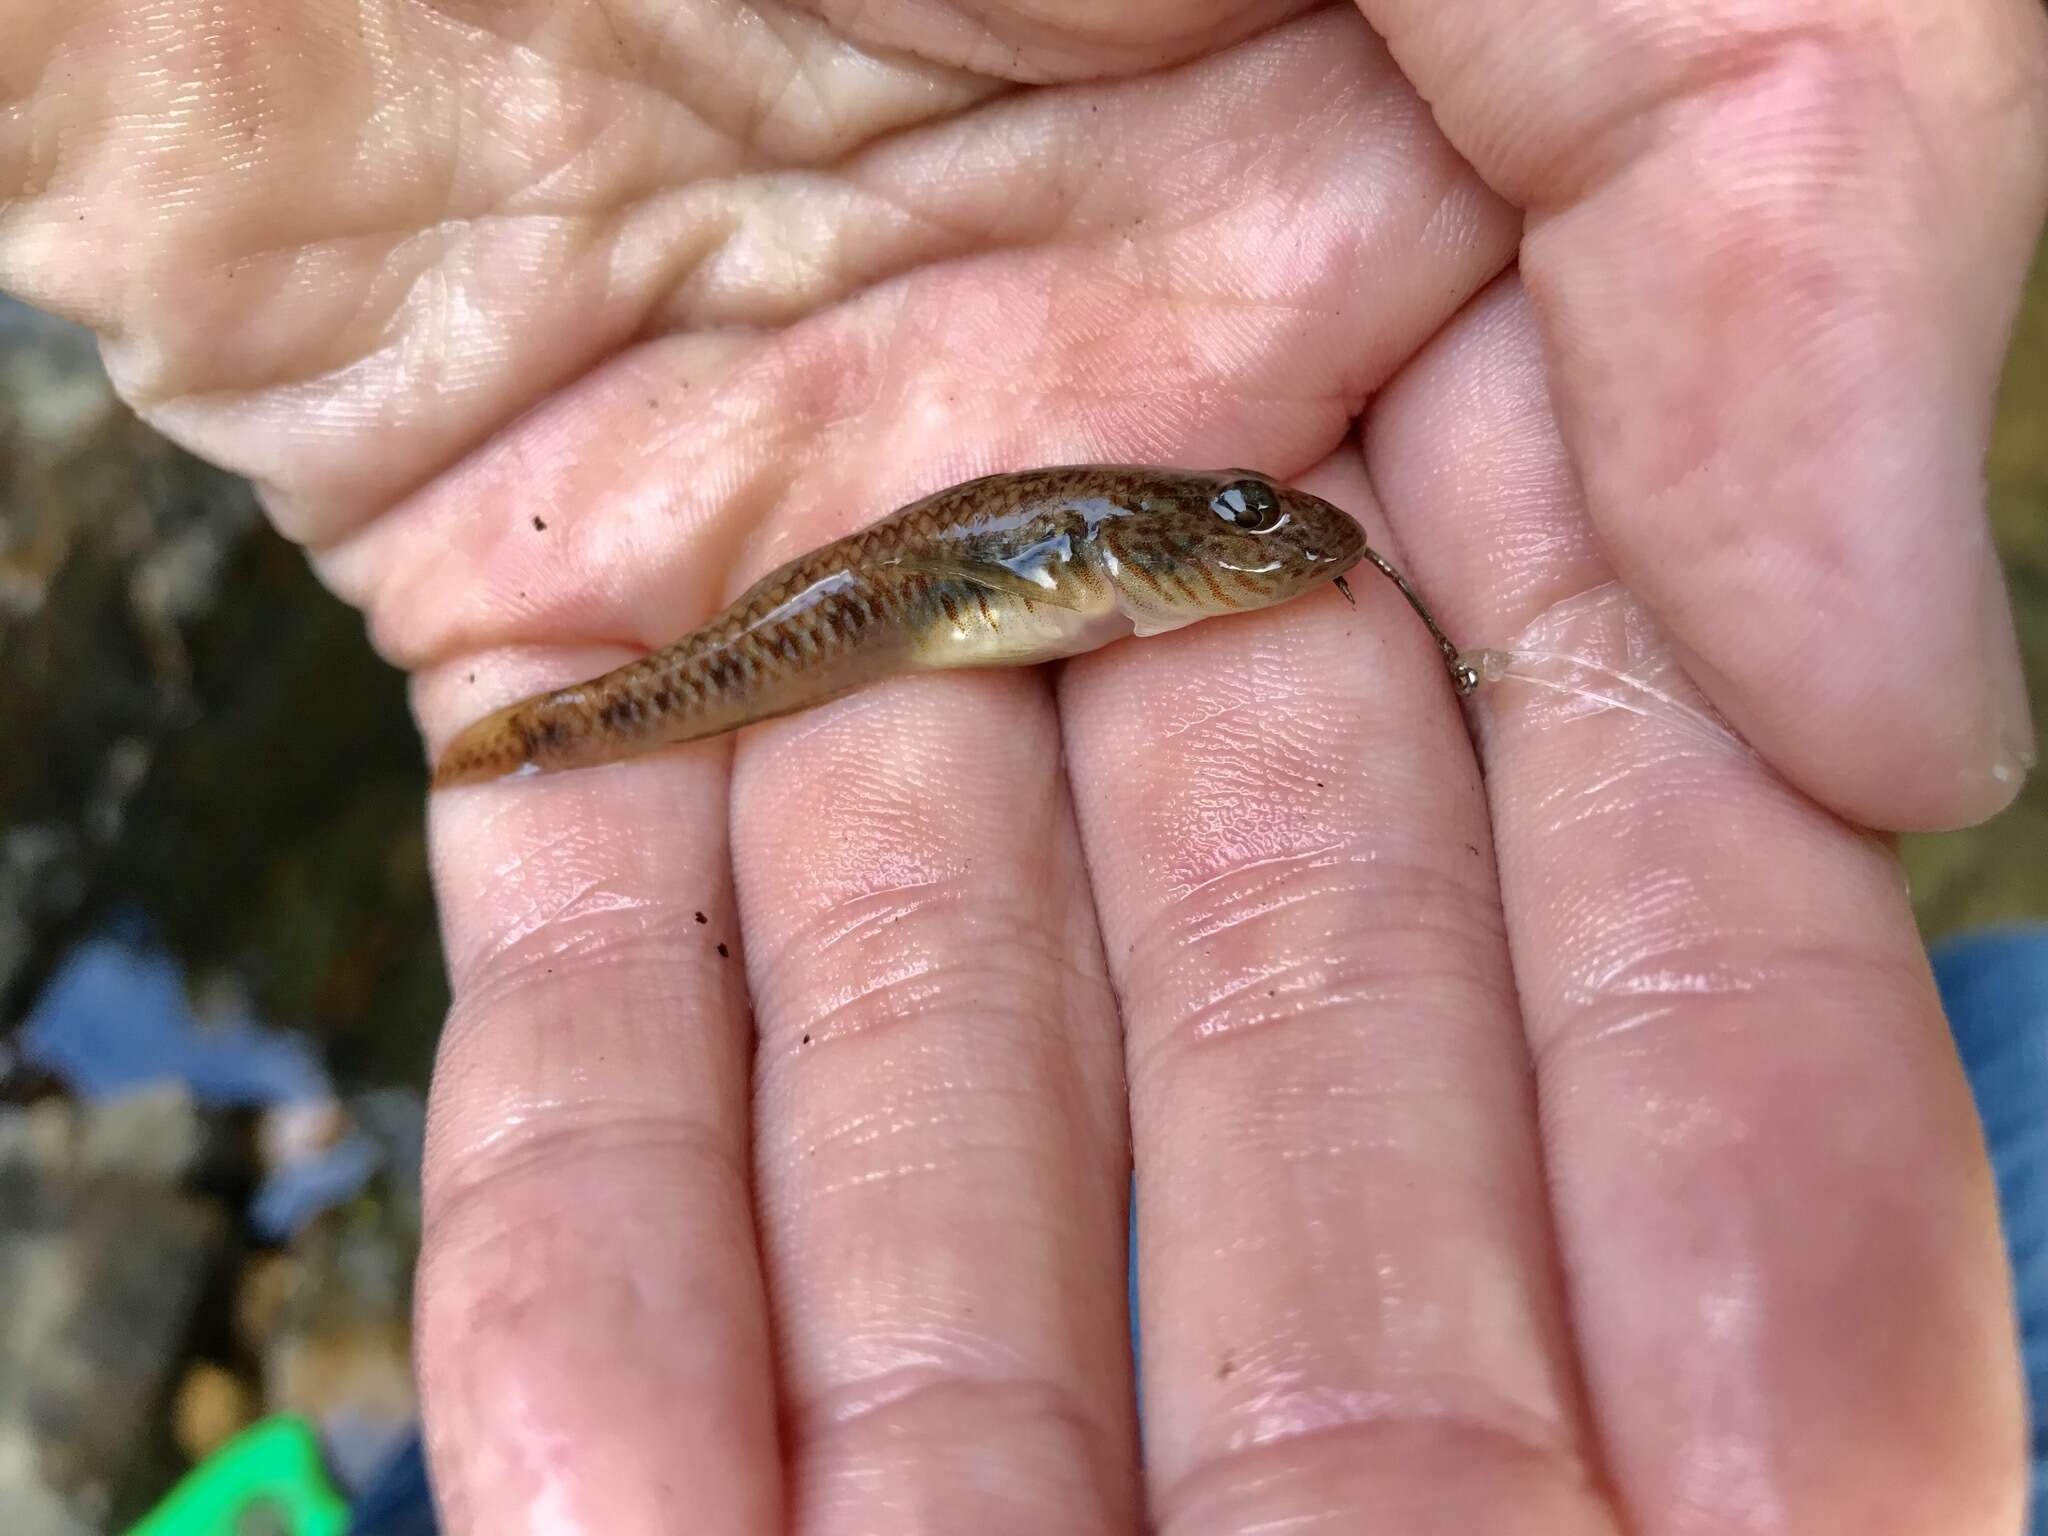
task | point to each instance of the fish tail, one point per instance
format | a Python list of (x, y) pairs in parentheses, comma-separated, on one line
[(489, 749), (657, 701), (742, 667)]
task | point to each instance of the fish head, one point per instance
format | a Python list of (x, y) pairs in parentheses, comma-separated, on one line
[(1230, 541)]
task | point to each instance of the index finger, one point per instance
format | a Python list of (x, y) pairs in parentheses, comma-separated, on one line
[(1775, 249)]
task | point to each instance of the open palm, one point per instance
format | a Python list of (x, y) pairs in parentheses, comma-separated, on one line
[(1543, 1127)]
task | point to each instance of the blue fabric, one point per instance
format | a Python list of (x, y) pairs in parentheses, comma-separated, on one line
[(1994, 986), (399, 1502), (116, 1018)]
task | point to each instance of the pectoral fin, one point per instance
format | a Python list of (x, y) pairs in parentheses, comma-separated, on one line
[(1147, 624), (995, 577)]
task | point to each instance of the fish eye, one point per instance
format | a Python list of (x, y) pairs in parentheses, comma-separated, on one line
[(1250, 504)]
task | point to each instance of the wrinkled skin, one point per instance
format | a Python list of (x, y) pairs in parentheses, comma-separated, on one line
[(1549, 1128)]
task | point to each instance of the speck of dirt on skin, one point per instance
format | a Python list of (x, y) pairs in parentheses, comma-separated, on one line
[(724, 953), (807, 1039), (1473, 849), (538, 525), (1319, 783), (471, 678), (699, 916)]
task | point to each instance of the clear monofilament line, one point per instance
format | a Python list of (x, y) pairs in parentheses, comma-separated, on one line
[(1493, 666)]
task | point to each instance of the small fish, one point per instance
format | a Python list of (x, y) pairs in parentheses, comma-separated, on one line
[(1006, 570)]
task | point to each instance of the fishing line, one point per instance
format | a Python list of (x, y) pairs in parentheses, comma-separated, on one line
[(1537, 663), (1649, 702)]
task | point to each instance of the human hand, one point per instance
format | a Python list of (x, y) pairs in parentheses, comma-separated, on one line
[(546, 338)]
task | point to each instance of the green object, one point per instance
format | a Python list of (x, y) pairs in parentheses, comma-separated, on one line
[(267, 1481)]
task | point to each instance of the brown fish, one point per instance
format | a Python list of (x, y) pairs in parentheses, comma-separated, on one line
[(1006, 570)]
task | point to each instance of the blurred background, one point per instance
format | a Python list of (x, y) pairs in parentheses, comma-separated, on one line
[(220, 984)]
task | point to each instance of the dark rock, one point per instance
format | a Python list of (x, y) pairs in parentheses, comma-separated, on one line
[(197, 731)]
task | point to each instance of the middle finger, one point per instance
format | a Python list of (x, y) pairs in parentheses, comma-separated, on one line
[(1349, 1296)]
